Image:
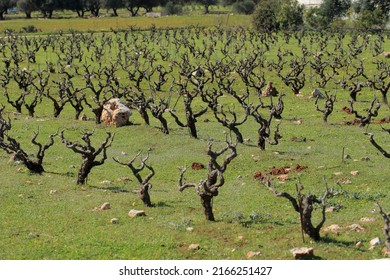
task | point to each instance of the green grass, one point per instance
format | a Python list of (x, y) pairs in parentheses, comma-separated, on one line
[(40, 224)]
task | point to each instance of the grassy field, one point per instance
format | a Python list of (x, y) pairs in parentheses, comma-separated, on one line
[(49, 216), (67, 21)]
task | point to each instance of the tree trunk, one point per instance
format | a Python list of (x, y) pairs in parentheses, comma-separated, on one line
[(208, 207), (164, 124), (84, 170), (144, 195), (34, 166), (307, 226)]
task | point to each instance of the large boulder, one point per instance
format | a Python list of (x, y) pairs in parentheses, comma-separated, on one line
[(115, 113)]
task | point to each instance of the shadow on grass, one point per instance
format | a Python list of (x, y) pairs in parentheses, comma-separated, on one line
[(114, 189), (330, 240)]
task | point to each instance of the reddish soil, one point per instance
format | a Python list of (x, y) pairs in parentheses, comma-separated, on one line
[(347, 110), (197, 166), (279, 171)]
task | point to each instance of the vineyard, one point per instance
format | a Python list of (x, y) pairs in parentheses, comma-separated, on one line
[(239, 144)]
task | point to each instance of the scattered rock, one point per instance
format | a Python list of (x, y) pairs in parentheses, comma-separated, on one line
[(136, 213), (330, 209), (53, 192), (302, 253), (367, 219), (358, 245), (106, 182), (347, 156), (194, 247), (252, 254), (283, 178), (190, 229), (345, 181), (356, 227), (333, 228), (354, 173), (83, 117), (338, 173), (297, 121), (386, 252), (365, 158), (114, 221), (375, 242), (105, 206)]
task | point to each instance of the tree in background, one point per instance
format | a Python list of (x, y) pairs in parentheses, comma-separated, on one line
[(206, 4), (4, 6), (372, 13), (114, 5), (273, 15), (244, 6), (27, 7), (290, 15), (330, 10)]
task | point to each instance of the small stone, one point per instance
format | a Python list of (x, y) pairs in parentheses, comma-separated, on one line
[(330, 209), (386, 252), (358, 245), (367, 219), (356, 227), (338, 173), (106, 182), (136, 213), (114, 221), (252, 254), (354, 173), (283, 178), (190, 229), (53, 192), (240, 237), (194, 247), (333, 228), (365, 158), (375, 242), (347, 156), (105, 206), (302, 253)]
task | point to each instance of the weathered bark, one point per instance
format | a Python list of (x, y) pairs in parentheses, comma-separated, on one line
[(386, 228), (145, 185), (88, 153), (10, 145), (304, 205), (209, 188)]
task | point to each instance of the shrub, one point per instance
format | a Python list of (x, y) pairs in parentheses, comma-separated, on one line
[(244, 7), (173, 9)]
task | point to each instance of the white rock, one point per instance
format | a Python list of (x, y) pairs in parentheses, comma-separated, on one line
[(105, 206), (115, 113), (252, 254), (375, 242), (302, 253), (136, 213), (194, 247)]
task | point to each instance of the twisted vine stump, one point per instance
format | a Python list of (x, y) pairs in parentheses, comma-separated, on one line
[(145, 185), (10, 145), (304, 205), (386, 228), (208, 188), (88, 153)]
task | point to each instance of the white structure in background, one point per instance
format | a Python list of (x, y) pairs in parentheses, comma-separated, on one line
[(310, 3)]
